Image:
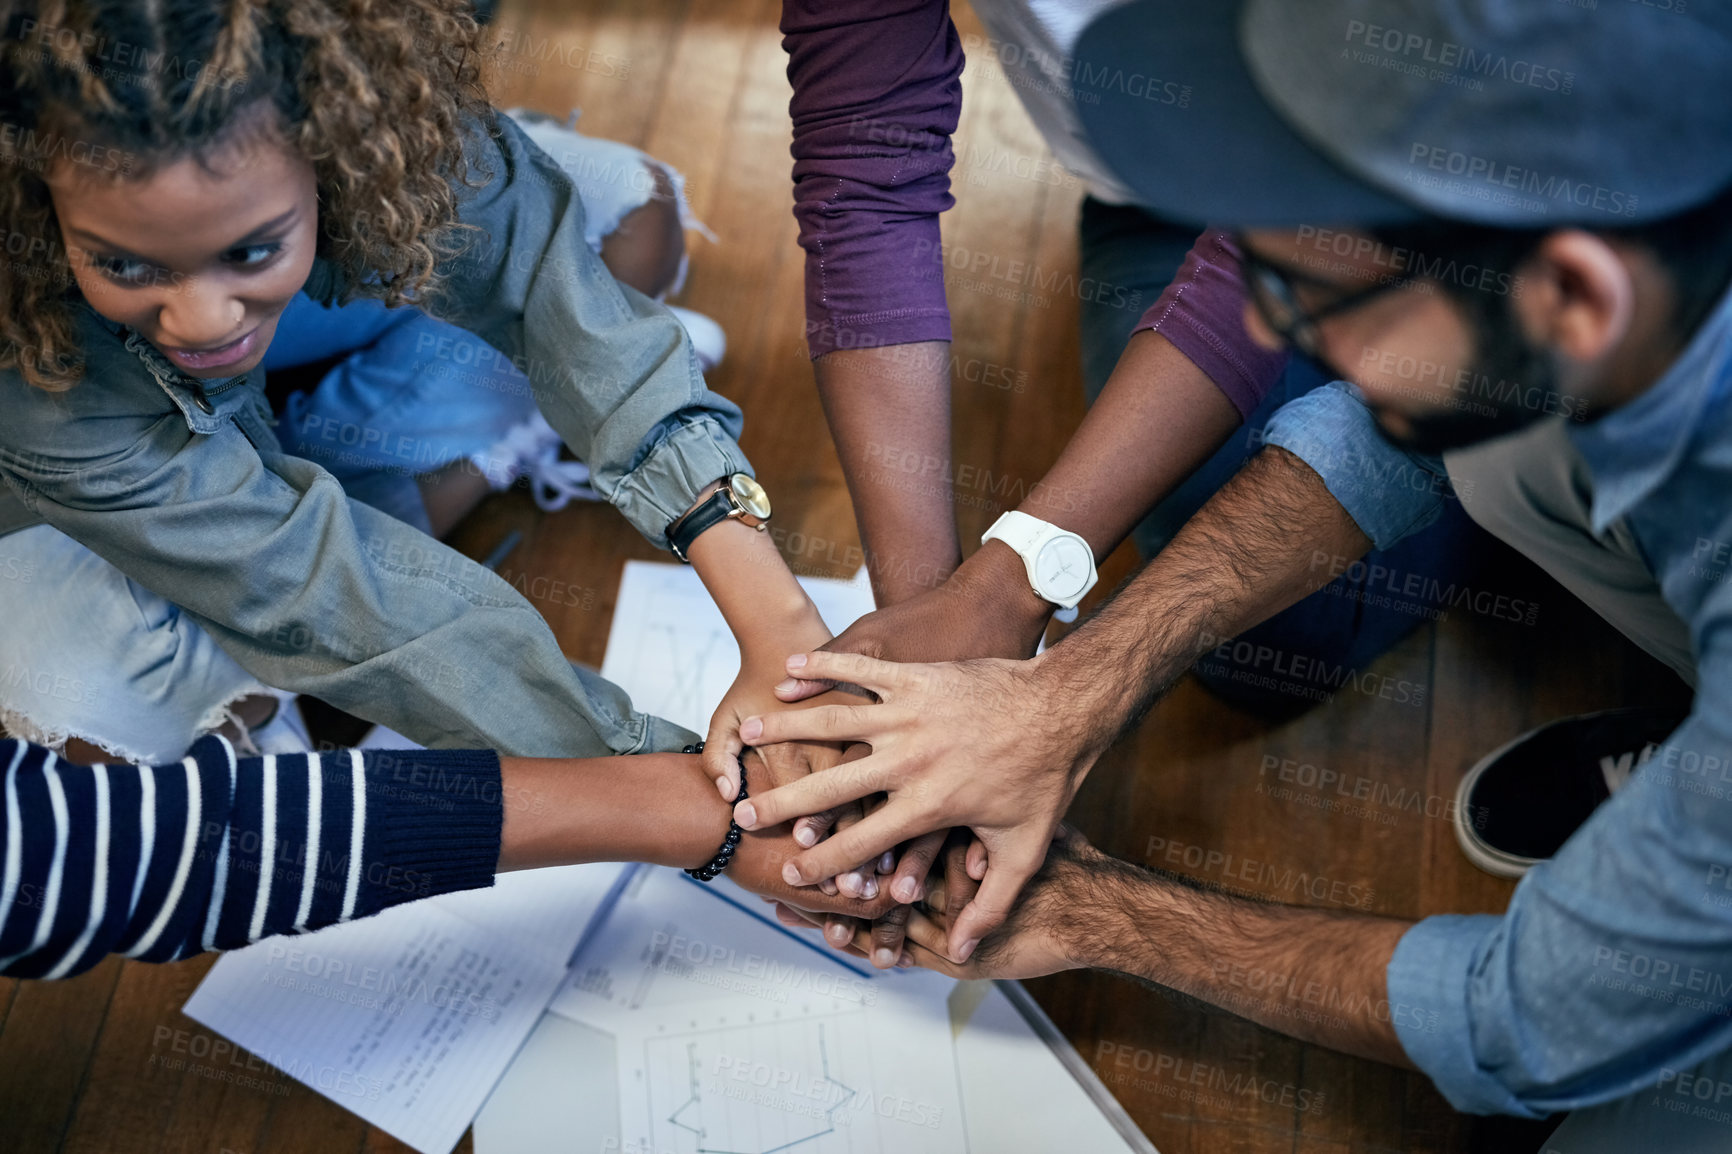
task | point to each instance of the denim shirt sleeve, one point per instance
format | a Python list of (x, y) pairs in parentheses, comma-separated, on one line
[(1389, 492), (305, 588), (613, 371), (1610, 967)]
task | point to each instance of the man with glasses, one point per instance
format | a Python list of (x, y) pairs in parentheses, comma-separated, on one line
[(1555, 259)]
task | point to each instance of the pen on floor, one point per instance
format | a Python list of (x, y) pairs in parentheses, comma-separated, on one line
[(502, 550)]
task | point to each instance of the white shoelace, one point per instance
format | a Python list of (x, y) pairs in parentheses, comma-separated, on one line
[(532, 450)]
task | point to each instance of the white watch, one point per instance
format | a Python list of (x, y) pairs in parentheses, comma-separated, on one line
[(1061, 566)]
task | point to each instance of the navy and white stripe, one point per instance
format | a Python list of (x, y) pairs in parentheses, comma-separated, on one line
[(216, 851)]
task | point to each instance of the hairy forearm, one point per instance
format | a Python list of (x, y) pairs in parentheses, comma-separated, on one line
[(889, 413), (1315, 975), (658, 808), (1244, 557)]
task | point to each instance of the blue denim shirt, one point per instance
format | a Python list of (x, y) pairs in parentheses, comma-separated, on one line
[(184, 487), (1613, 962)]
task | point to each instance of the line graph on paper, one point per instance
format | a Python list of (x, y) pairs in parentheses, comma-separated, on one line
[(778, 1087), (669, 647), (735, 1038), (696, 670)]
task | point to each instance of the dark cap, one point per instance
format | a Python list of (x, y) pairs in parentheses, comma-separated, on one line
[(1516, 113)]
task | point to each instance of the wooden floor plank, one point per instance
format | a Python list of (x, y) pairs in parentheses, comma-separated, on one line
[(45, 1050), (701, 85), (8, 991), (305, 1122), (993, 260), (690, 127), (147, 1053), (607, 60)]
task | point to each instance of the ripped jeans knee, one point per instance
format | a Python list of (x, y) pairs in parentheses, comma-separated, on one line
[(87, 653)]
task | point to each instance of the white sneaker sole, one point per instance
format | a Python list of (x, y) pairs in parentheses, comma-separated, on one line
[(1481, 853)]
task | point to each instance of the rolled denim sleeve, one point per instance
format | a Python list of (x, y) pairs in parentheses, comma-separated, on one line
[(1609, 970), (1429, 1007), (1389, 492), (613, 371), (305, 588)]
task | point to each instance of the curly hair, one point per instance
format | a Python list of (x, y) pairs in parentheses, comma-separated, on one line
[(375, 94)]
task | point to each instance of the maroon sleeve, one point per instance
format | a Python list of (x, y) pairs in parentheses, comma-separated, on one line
[(1203, 314), (877, 91)]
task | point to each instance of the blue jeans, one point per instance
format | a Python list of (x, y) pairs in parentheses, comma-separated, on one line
[(1295, 658), (415, 394)]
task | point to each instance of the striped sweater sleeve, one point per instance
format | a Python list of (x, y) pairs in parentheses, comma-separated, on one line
[(217, 851)]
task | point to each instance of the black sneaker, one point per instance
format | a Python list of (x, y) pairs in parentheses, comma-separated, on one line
[(1519, 805)]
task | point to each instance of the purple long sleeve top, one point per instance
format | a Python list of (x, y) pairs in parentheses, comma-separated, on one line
[(877, 93), (1203, 314), (877, 90)]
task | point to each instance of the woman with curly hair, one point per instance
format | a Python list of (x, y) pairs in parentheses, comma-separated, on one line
[(179, 182)]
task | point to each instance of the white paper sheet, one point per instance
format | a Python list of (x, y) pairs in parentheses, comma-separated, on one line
[(670, 945), (671, 650), (734, 1034), (1022, 1089), (407, 1019), (1019, 1094), (723, 1031)]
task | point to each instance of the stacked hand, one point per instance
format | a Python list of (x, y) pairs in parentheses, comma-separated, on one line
[(973, 745), (757, 866), (770, 766), (783, 763), (979, 744), (1039, 937)]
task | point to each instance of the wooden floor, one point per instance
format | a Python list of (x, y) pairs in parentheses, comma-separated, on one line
[(700, 84)]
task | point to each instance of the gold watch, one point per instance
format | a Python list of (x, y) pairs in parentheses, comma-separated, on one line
[(740, 498)]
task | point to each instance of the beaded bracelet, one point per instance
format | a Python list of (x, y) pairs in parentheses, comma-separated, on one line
[(729, 844)]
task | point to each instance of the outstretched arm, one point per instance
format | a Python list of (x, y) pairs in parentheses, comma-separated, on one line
[(216, 851), (1002, 746), (1186, 379), (886, 407), (770, 616), (1184, 382), (1316, 975), (876, 95)]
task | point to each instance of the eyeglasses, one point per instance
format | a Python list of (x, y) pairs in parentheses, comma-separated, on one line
[(1272, 290)]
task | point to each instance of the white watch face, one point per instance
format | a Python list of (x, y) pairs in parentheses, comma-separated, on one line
[(1062, 568)]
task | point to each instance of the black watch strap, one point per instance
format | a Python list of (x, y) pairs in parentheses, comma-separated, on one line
[(711, 512)]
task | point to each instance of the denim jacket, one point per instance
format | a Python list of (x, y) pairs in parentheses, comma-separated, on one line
[(183, 486)]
